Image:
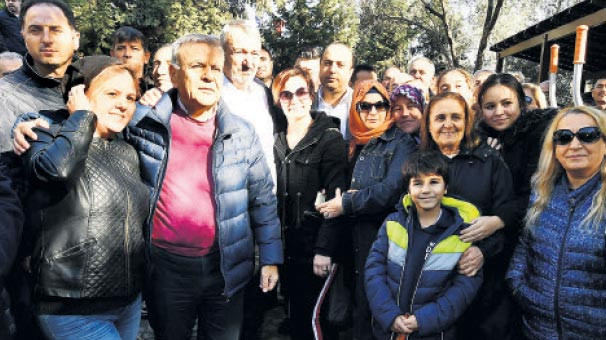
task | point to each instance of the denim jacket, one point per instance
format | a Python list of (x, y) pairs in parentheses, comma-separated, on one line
[(377, 175)]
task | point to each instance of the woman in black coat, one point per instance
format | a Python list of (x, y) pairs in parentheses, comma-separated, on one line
[(310, 158), (477, 174)]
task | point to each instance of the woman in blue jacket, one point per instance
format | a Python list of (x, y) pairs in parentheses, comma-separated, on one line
[(558, 270), (376, 154)]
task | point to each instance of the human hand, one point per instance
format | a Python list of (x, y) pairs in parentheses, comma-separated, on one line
[(322, 265), (332, 208), (481, 228), (471, 261), (269, 278), (399, 325), (77, 100), (494, 143), (411, 323), (25, 129), (151, 97)]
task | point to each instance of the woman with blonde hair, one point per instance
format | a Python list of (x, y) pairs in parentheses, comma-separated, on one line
[(558, 270), (534, 97)]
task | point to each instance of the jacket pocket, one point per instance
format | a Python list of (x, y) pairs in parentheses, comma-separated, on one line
[(62, 273)]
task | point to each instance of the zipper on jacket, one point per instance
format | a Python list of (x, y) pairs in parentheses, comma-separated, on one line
[(427, 252), (556, 300), (217, 209), (126, 241)]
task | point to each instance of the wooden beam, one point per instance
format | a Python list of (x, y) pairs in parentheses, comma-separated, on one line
[(594, 19)]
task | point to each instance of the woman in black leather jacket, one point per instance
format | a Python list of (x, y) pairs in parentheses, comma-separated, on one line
[(89, 205), (310, 157)]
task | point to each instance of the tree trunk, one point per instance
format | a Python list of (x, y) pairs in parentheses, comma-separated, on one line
[(443, 20), (492, 14)]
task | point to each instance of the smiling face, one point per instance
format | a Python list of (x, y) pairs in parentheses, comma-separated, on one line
[(580, 160), (299, 104), (500, 107), (407, 115), (447, 124), (375, 116), (427, 191), (112, 95), (49, 39), (198, 77)]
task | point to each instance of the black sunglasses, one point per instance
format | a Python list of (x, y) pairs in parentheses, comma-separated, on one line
[(527, 99), (366, 107), (300, 92), (586, 135)]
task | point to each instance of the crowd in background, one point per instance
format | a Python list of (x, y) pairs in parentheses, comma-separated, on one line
[(422, 205)]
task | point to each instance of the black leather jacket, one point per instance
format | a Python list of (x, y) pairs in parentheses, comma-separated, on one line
[(317, 162), (89, 205)]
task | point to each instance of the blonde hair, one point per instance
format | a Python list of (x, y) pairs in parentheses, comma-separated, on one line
[(539, 96), (550, 170)]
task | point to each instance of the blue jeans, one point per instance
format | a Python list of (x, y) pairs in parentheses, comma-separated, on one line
[(120, 323)]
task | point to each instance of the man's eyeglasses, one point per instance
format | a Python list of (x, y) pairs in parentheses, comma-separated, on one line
[(301, 92), (367, 107), (586, 135)]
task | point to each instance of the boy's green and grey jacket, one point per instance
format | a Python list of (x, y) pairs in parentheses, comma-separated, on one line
[(439, 295)]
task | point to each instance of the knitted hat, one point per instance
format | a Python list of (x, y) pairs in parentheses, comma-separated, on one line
[(84, 70), (414, 94)]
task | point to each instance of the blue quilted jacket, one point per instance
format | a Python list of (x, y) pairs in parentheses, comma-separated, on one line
[(558, 270), (441, 294), (243, 187)]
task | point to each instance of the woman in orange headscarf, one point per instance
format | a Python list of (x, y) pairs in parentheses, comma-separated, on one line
[(377, 151)]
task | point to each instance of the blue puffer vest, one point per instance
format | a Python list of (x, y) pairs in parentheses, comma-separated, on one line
[(558, 270), (441, 295), (243, 187)]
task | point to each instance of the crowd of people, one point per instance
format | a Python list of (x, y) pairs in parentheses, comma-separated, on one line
[(415, 206)]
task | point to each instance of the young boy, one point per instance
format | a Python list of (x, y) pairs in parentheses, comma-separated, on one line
[(412, 283)]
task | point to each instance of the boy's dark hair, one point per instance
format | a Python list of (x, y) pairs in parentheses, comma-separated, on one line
[(359, 68), (128, 34), (67, 11), (425, 163), (268, 50)]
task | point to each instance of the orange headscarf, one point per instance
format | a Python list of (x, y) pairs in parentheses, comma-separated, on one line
[(360, 133)]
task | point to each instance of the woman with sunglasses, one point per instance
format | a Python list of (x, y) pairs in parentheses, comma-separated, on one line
[(377, 150), (477, 175), (534, 97), (558, 269), (310, 158)]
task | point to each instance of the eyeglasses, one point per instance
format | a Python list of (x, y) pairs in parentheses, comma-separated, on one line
[(586, 135), (301, 92), (367, 107)]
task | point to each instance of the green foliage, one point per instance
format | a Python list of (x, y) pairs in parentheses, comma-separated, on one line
[(161, 21), (310, 24), (384, 37)]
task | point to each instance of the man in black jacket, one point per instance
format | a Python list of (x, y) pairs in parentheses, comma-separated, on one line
[(10, 234), (10, 30)]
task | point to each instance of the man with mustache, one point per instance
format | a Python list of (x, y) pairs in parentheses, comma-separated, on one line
[(10, 28), (599, 94), (244, 95)]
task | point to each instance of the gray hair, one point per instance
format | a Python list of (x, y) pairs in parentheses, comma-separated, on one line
[(478, 72), (193, 38), (11, 56), (422, 58), (246, 26)]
